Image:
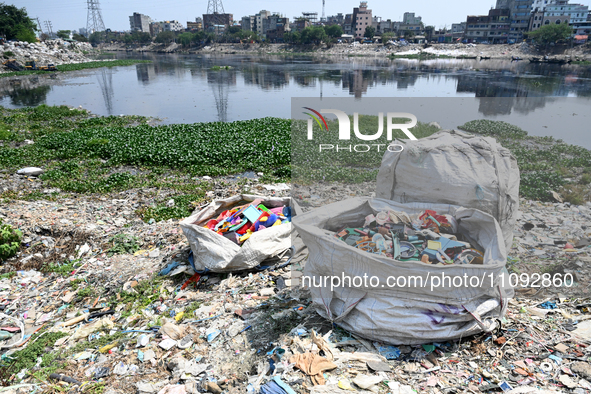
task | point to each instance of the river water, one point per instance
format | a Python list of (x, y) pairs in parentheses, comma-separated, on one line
[(542, 99)]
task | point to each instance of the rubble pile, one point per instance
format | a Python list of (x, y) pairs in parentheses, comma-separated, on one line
[(102, 300), (49, 52)]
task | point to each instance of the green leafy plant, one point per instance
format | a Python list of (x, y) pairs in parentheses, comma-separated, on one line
[(124, 244), (10, 240)]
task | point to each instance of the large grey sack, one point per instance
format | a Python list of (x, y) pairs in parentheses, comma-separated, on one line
[(451, 167), (424, 311)]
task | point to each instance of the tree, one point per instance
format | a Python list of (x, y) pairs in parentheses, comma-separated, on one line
[(96, 38), (185, 39), (24, 34), (63, 34), (234, 29), (79, 37), (166, 37), (334, 31), (315, 34), (552, 33), (16, 24), (386, 37), (370, 32)]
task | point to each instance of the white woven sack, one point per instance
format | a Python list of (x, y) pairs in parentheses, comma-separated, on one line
[(413, 314), (213, 252)]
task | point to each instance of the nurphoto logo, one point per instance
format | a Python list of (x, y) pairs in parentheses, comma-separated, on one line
[(344, 122)]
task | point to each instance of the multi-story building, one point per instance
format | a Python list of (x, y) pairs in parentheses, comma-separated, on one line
[(558, 12), (494, 27), (361, 19), (172, 26), (574, 14), (409, 18), (520, 15), (197, 25), (348, 24), (260, 22), (156, 28), (265, 23), (211, 20), (458, 29), (337, 19), (140, 22)]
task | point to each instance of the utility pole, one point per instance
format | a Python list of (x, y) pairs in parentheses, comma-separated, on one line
[(39, 24), (49, 28)]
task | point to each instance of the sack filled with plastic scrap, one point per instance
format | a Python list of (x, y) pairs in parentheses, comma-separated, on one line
[(239, 233), (410, 300)]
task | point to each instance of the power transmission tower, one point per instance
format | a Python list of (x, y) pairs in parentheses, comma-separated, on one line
[(323, 10), (216, 8), (94, 21)]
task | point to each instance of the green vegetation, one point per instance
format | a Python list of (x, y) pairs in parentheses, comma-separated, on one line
[(581, 62), (218, 68), (310, 165), (10, 240), (551, 33), (8, 54), (183, 206), (63, 269), (80, 66), (27, 357), (370, 32), (146, 292), (64, 34), (123, 244), (15, 24), (545, 163)]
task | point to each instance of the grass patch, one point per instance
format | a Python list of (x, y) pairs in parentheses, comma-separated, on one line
[(123, 244), (183, 206), (581, 62), (80, 66), (27, 358), (63, 269), (545, 163), (308, 164)]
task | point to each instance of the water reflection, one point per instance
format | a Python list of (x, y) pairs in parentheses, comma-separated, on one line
[(266, 78), (27, 92), (105, 80)]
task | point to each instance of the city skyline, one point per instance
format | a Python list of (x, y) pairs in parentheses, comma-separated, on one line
[(71, 14)]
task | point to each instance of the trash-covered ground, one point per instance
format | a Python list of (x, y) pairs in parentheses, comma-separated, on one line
[(500, 51), (49, 52), (97, 294)]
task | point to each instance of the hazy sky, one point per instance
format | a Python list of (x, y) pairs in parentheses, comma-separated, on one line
[(71, 14)]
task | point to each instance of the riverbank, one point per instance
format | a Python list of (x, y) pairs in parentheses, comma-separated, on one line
[(101, 223), (457, 50), (57, 52), (78, 66)]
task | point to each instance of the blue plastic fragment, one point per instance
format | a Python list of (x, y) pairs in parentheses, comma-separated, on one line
[(390, 352), (169, 268)]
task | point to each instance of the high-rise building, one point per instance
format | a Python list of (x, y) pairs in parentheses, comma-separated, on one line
[(140, 22)]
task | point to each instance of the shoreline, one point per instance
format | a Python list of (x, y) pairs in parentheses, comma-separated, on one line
[(456, 51)]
